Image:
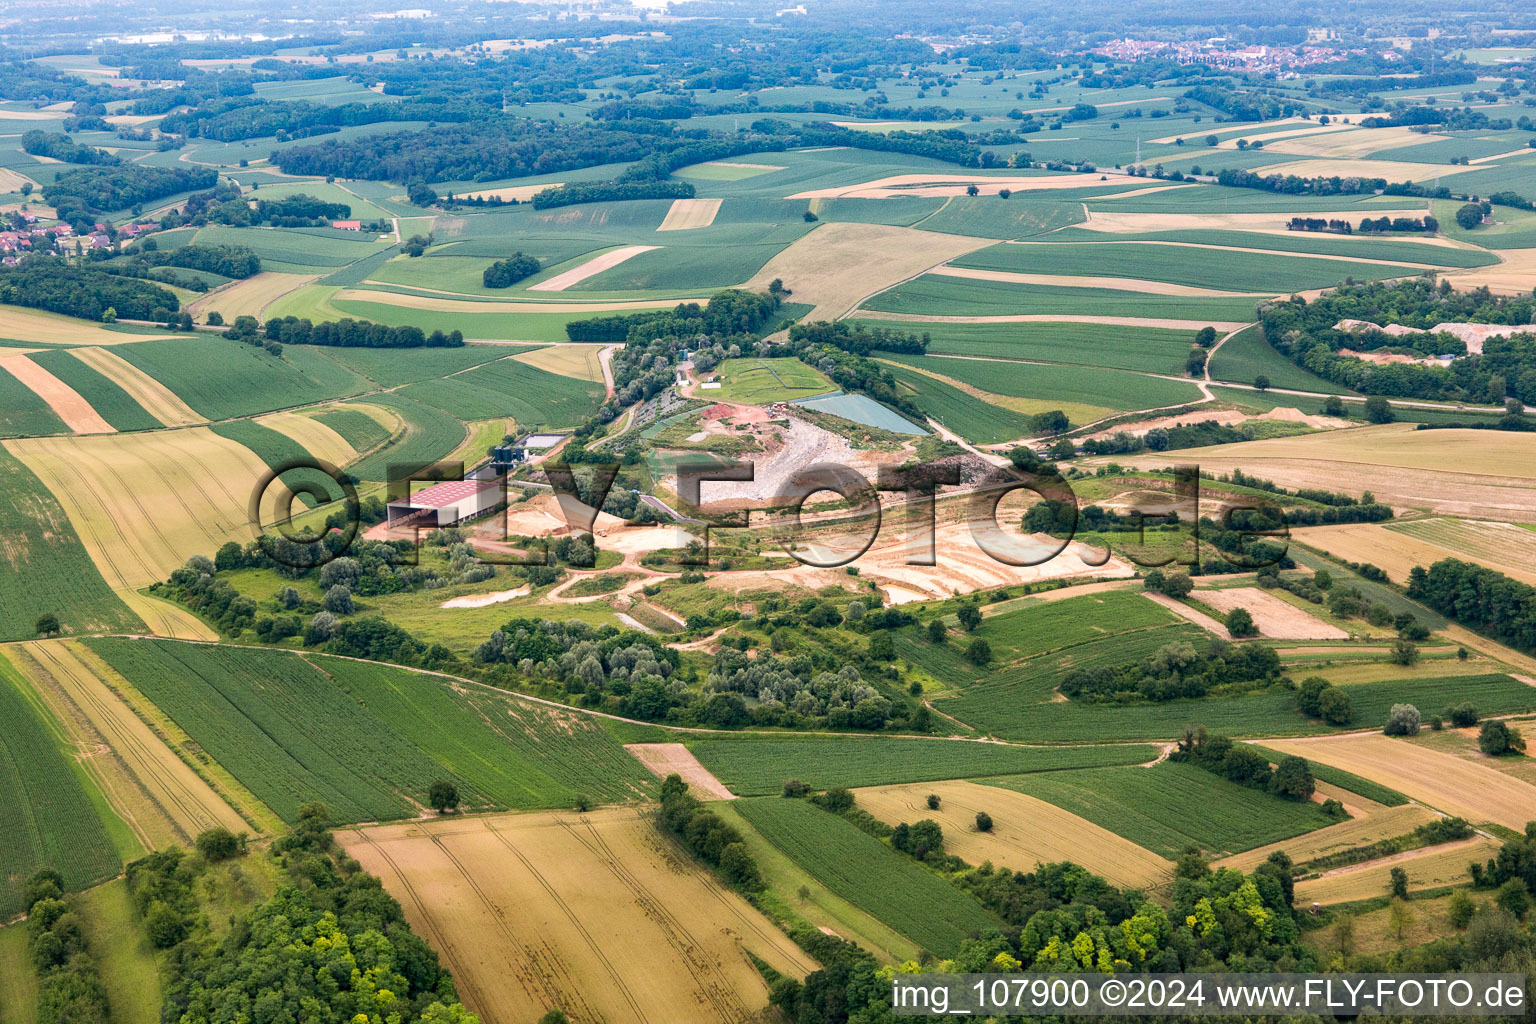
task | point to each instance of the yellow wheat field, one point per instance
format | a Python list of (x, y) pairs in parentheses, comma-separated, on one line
[(838, 265), (312, 435), (1452, 784), (1380, 824), (1026, 831), (1430, 868), (598, 914), (158, 400), (67, 403), (1398, 553), (144, 503), (579, 361), (155, 791), (450, 305), (248, 297), (34, 325), (686, 214)]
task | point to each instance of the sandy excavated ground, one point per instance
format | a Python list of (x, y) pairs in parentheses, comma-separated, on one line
[(1275, 618)]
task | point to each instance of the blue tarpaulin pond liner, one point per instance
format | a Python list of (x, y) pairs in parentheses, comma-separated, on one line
[(861, 409)]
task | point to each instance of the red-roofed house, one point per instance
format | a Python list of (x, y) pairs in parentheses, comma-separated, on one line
[(347, 225)]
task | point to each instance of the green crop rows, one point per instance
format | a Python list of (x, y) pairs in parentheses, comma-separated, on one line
[(752, 766), (941, 295), (890, 886), (507, 387), (222, 378), (114, 404), (430, 434), (1151, 349), (46, 818), (1170, 806), (358, 429), (23, 413)]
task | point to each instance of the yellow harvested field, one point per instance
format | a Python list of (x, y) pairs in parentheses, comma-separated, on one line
[(1274, 618), (521, 193), (1399, 550), (1391, 170), (1054, 318), (1271, 138), (30, 115), (160, 796), (158, 400), (144, 503), (32, 325), (1466, 473), (67, 403), (166, 619), (1448, 783), (1430, 868), (1124, 284), (952, 185), (663, 759), (1512, 275), (1345, 142), (1026, 832), (1116, 222), (11, 181), (315, 437), (579, 361), (686, 214), (598, 914), (1382, 824), (596, 265), (838, 265), (448, 305), (248, 297)]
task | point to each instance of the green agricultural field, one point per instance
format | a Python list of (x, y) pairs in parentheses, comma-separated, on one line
[(18, 978), (1117, 389), (1036, 630), (357, 428), (1221, 199), (23, 413), (1167, 807), (1271, 273), (453, 268), (901, 211), (294, 250), (754, 765), (989, 216), (47, 818), (393, 367), (430, 434), (1116, 346), (941, 295), (765, 381), (513, 326), (856, 866), (507, 387), (279, 452), (1346, 780), (1269, 712), (965, 414), (122, 951), (45, 567), (684, 268), (519, 754), (362, 209), (1399, 248), (222, 378), (279, 725), (1246, 356), (114, 404)]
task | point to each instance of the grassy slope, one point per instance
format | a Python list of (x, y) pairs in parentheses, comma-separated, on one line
[(222, 378)]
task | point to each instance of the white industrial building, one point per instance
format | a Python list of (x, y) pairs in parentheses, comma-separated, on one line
[(449, 502)]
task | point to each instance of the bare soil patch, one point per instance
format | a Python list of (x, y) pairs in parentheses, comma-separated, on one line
[(67, 403), (1275, 618), (663, 759), (591, 268), (687, 214)]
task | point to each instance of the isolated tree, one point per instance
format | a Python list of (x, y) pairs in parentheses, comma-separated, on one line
[(48, 625), (804, 892), (1402, 720), (1205, 337), (881, 646), (1399, 883), (217, 843), (796, 790), (556, 1016), (582, 803), (969, 616), (1405, 652), (1459, 909), (1462, 715), (979, 652), (936, 631), (215, 319), (1293, 779), (1379, 410), (1496, 738), (1400, 915), (1261, 382), (1514, 898), (443, 796), (338, 600), (983, 821), (933, 801), (1333, 405), (1335, 707), (1470, 216), (972, 190), (1344, 934), (1240, 623)]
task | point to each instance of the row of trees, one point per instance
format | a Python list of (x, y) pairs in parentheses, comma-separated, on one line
[(857, 338), (70, 990), (506, 273), (1481, 598), (347, 333)]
